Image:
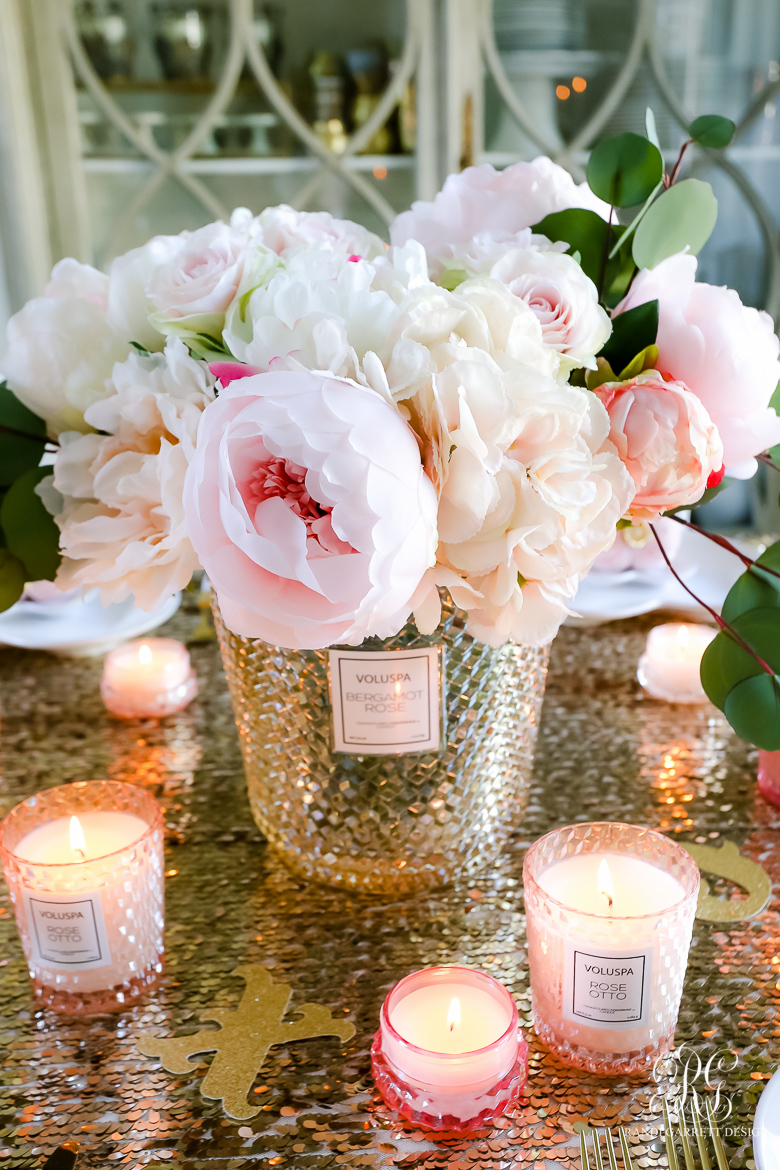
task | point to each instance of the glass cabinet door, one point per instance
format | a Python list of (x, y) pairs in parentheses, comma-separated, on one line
[(189, 108), (562, 73)]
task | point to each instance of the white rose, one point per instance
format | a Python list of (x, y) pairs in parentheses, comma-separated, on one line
[(122, 525), (482, 199), (563, 298), (61, 347)]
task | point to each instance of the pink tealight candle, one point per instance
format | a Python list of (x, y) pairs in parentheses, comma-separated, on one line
[(148, 677), (671, 664), (449, 1053)]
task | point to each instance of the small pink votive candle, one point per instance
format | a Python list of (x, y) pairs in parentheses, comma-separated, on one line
[(670, 667), (84, 866), (769, 776), (609, 917), (449, 1053), (148, 677)]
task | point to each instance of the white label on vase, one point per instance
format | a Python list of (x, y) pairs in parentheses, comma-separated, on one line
[(67, 930), (386, 702), (606, 990)]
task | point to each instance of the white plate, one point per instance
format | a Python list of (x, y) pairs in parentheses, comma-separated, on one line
[(80, 629), (708, 570), (766, 1128)]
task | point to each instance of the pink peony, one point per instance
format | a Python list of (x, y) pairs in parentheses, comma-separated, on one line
[(723, 351), (666, 439), (309, 509), (483, 199)]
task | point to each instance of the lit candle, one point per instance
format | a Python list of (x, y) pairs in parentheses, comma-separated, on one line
[(150, 677), (610, 911), (669, 668), (449, 1053), (84, 864)]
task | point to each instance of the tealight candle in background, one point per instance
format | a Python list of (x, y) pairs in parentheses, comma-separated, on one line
[(147, 678), (84, 865), (449, 1053), (670, 666), (610, 912)]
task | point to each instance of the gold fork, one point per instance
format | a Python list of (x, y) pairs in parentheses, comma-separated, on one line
[(682, 1129), (598, 1163)]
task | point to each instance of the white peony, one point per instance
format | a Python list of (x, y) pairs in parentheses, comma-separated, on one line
[(62, 347), (282, 229), (122, 525), (557, 494), (481, 199)]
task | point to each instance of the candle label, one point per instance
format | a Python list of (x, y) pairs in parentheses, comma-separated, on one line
[(386, 702), (67, 931), (607, 990)]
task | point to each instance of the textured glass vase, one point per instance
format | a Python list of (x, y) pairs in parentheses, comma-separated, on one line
[(387, 823)]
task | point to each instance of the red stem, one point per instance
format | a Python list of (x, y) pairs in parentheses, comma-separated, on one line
[(678, 164), (729, 547), (719, 621)]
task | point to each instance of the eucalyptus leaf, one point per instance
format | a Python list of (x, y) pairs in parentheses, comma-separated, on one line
[(753, 590), (713, 131), (632, 333), (16, 416), (723, 665), (624, 169), (680, 220), (12, 579), (589, 235), (650, 128), (22, 437), (30, 532), (753, 710)]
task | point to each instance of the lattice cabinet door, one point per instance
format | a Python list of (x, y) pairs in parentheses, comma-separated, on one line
[(157, 115)]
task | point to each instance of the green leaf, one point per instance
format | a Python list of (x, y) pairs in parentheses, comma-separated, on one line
[(713, 131), (650, 127), (723, 665), (624, 169), (16, 415), (753, 710), (681, 219), (645, 360), (603, 373), (753, 590), (632, 332), (587, 233), (30, 532), (12, 579), (452, 277)]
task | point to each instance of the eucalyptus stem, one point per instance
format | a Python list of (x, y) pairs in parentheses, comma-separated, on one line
[(678, 164), (720, 622), (726, 544)]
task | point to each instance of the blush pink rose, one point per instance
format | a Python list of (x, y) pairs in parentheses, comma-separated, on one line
[(309, 509), (724, 352), (503, 203), (665, 438)]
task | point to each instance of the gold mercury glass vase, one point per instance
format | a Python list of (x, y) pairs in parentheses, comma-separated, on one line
[(388, 823)]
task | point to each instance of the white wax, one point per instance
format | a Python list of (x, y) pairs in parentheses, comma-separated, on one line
[(422, 1018), (147, 666), (105, 831), (670, 666), (638, 887)]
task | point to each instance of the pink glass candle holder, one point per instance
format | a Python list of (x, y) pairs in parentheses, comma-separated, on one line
[(148, 678), (769, 776), (449, 1053), (609, 914), (84, 865)]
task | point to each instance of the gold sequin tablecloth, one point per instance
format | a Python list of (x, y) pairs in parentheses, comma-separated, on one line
[(606, 752)]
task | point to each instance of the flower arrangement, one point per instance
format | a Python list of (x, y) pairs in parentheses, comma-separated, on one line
[(337, 431)]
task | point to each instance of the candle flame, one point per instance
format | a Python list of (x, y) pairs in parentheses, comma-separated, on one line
[(605, 883), (77, 842), (397, 688), (453, 1015), (144, 654), (683, 638)]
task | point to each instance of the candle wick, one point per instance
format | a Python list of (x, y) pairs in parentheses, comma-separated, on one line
[(609, 899), (452, 1026)]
